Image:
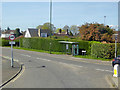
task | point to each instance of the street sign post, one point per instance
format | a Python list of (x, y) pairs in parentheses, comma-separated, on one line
[(12, 37), (115, 44)]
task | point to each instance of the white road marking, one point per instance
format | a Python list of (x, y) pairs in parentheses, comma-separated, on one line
[(104, 70), (43, 59), (26, 55), (108, 70), (70, 64), (100, 70)]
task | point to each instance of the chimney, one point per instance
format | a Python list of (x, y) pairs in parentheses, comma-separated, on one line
[(39, 32), (67, 32), (60, 31)]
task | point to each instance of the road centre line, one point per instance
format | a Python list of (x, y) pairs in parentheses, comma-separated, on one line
[(108, 71), (100, 70), (104, 70), (43, 59), (70, 64), (26, 55), (73, 65)]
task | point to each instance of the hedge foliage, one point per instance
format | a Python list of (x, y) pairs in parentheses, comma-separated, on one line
[(96, 49), (44, 44), (4, 42), (104, 50)]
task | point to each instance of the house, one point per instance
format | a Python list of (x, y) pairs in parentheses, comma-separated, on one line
[(60, 33), (6, 33), (31, 32)]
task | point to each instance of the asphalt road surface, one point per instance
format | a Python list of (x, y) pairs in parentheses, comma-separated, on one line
[(57, 71)]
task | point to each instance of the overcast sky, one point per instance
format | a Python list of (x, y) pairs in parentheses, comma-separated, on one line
[(32, 14)]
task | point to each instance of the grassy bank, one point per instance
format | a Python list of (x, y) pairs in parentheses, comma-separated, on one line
[(58, 53)]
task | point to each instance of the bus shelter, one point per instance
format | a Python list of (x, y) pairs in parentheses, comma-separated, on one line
[(70, 47)]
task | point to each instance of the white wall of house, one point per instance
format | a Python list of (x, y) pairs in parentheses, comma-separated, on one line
[(27, 34), (5, 35)]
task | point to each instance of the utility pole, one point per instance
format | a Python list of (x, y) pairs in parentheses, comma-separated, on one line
[(104, 20), (50, 22), (115, 45)]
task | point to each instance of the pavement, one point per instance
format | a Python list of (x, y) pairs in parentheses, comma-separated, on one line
[(9, 73), (114, 81)]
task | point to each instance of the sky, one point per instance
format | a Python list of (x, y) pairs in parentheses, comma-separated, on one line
[(25, 15)]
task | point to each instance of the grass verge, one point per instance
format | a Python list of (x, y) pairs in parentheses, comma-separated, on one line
[(58, 53)]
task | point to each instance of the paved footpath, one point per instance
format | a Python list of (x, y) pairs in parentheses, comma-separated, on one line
[(7, 70)]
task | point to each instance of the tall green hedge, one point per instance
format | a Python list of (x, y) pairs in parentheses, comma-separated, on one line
[(44, 44), (4, 42), (96, 49), (104, 50)]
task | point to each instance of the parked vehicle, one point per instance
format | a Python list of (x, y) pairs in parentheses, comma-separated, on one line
[(116, 61)]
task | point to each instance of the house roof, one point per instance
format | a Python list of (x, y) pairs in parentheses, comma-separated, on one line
[(8, 31), (45, 31), (33, 32), (67, 42)]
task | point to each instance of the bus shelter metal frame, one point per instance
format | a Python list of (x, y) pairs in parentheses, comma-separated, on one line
[(74, 45)]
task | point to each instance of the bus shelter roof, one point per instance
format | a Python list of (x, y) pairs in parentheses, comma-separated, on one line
[(68, 42)]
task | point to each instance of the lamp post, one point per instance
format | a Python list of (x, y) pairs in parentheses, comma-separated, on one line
[(115, 45), (50, 22), (104, 19)]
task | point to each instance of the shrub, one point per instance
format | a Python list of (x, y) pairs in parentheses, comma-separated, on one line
[(106, 51), (4, 42), (44, 44)]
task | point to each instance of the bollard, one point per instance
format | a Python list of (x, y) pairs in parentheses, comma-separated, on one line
[(115, 70)]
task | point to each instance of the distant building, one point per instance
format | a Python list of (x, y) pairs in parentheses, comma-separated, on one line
[(60, 33), (6, 33), (31, 32)]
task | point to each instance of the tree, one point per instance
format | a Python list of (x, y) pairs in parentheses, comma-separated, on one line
[(74, 29), (96, 32), (46, 26), (39, 27), (8, 28), (17, 32)]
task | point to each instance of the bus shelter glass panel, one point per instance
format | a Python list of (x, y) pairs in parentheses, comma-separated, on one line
[(75, 49)]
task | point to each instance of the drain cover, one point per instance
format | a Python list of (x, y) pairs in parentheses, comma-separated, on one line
[(41, 66), (29, 61)]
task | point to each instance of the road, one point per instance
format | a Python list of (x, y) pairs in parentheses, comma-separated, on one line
[(57, 71)]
